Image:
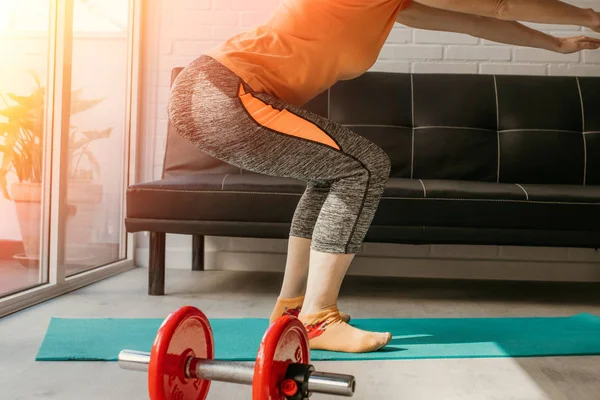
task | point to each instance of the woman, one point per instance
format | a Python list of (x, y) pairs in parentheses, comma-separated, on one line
[(240, 102)]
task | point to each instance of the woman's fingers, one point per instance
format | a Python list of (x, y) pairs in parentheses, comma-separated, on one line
[(588, 39), (578, 43), (590, 46)]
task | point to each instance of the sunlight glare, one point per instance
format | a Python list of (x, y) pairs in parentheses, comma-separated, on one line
[(17, 16), (90, 16)]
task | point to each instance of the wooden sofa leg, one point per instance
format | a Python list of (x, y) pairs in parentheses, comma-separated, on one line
[(198, 253), (156, 284)]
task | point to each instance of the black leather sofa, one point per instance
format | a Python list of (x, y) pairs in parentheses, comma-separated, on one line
[(476, 159)]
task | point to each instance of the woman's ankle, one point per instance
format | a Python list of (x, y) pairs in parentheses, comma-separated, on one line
[(316, 308)]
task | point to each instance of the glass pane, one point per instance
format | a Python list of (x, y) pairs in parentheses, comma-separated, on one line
[(98, 128), (24, 30)]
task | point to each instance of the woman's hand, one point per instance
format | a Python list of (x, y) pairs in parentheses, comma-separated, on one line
[(420, 16), (577, 43)]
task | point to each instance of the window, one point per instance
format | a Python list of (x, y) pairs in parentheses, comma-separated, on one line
[(65, 136)]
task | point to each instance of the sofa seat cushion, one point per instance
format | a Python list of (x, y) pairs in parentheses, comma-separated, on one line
[(488, 205), (243, 197), (252, 197)]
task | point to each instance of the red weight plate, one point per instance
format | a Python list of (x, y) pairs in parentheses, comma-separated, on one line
[(184, 333), (283, 343)]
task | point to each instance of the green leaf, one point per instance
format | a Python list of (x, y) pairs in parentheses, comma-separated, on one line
[(93, 161), (19, 165), (79, 106), (15, 112), (22, 136), (25, 101), (76, 94), (12, 137), (8, 152), (78, 144), (35, 125), (95, 135), (3, 183), (35, 77), (8, 127)]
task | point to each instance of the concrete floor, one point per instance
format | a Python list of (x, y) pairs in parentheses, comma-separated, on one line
[(242, 294)]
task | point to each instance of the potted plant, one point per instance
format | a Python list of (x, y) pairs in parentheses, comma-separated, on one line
[(21, 148), (83, 195)]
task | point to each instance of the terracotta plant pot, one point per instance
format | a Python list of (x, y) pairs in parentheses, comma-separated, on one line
[(28, 202), (83, 200)]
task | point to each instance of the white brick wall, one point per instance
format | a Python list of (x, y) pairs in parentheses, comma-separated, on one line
[(177, 31), (478, 53)]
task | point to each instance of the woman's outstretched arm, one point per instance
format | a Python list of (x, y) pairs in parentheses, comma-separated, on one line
[(509, 32), (540, 11)]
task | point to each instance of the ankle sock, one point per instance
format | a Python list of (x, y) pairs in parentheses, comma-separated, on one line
[(286, 307), (293, 307), (327, 331)]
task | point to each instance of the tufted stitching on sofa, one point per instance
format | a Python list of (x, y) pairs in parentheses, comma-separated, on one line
[(583, 129), (384, 197), (375, 126), (211, 191), (223, 183), (424, 190), (540, 130), (524, 191), (469, 128), (412, 132), (497, 127), (495, 200)]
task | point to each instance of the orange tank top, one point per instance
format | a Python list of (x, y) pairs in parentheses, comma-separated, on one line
[(305, 46)]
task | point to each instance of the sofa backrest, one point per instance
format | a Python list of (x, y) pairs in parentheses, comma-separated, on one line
[(503, 128)]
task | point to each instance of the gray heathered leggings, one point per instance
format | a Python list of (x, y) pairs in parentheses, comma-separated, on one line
[(345, 173)]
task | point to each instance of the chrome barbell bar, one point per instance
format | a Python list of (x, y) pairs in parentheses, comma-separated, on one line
[(240, 373)]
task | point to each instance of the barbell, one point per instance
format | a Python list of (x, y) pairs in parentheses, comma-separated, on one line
[(181, 364)]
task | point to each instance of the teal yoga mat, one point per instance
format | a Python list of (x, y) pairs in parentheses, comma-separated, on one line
[(100, 339)]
